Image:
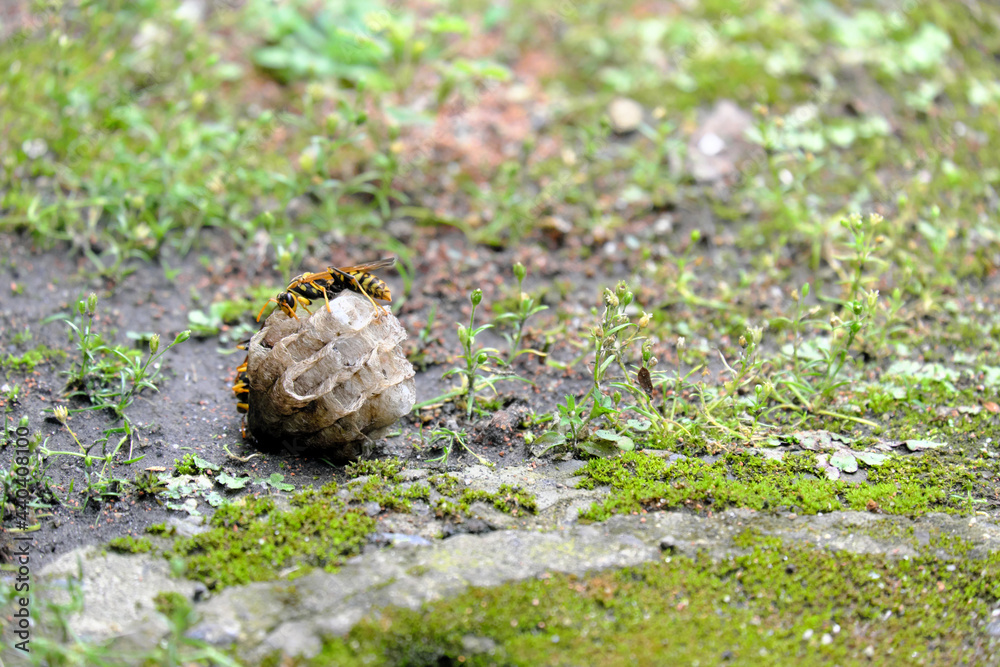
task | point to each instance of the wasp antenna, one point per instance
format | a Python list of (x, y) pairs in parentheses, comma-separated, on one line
[(265, 308)]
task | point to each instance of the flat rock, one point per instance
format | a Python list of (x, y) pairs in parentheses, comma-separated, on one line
[(292, 617)]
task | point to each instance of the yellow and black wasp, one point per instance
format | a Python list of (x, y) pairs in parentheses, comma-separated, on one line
[(241, 386), (303, 289)]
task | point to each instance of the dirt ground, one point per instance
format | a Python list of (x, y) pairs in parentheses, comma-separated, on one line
[(709, 160), (194, 410)]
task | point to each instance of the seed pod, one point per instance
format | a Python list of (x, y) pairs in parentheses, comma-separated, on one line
[(333, 381)]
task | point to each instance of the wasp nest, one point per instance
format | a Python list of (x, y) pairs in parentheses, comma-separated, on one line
[(331, 381)]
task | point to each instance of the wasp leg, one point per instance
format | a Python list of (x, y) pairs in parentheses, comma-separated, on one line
[(304, 302), (319, 288)]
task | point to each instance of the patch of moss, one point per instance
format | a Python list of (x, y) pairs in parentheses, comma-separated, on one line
[(161, 530), (383, 485), (508, 499), (32, 358), (774, 604), (389, 494), (192, 464), (909, 485), (386, 468), (186, 465), (170, 603), (130, 545), (254, 541), (446, 485)]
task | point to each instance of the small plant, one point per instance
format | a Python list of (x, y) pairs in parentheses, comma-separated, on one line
[(747, 371), (517, 318), (148, 483), (475, 360), (819, 365), (478, 372), (189, 464), (111, 377), (679, 381), (98, 483), (277, 482), (32, 358), (31, 477), (613, 340), (447, 438), (10, 400), (88, 342)]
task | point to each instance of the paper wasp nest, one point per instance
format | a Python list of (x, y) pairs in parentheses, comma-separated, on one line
[(331, 381)]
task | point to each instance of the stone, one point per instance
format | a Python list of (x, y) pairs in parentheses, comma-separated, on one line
[(625, 115)]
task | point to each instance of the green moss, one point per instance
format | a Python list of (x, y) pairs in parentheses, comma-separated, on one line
[(192, 464), (388, 469), (909, 485), (773, 604), (171, 603), (951, 544), (32, 358), (254, 541), (130, 545), (185, 465), (161, 530), (383, 485), (389, 494), (446, 485), (508, 499)]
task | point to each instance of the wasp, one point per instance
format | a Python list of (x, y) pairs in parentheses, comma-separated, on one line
[(303, 289), (241, 388)]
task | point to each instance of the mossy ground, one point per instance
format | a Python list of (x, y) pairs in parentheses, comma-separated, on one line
[(256, 540), (775, 603), (911, 485), (184, 169)]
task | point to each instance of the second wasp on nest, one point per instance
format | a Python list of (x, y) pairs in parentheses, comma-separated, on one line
[(333, 379)]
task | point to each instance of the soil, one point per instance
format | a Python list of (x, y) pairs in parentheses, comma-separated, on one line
[(193, 410)]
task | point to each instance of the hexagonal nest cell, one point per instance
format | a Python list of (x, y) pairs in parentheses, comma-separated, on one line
[(333, 381)]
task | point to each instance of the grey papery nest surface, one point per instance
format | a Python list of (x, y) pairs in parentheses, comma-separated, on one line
[(333, 381)]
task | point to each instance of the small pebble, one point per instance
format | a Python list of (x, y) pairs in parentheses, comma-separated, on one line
[(711, 144), (625, 115)]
